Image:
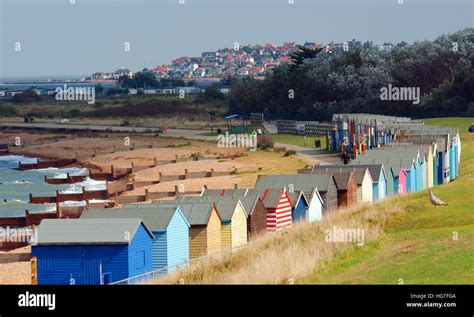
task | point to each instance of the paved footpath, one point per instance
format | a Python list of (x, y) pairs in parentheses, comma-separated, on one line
[(311, 156)]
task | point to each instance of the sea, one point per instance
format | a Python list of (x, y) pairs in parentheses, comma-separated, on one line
[(15, 186), (51, 82)]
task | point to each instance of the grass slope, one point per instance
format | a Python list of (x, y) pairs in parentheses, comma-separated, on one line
[(420, 245), (298, 140)]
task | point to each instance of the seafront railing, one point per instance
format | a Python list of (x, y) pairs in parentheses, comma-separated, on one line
[(160, 273)]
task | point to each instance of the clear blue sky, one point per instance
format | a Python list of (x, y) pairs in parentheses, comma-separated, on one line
[(59, 38)]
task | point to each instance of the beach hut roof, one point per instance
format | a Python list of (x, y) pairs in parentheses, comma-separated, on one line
[(197, 214), (156, 217), (375, 170), (304, 182), (87, 231), (358, 171), (342, 180)]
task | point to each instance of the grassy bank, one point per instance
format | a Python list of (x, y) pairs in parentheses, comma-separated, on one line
[(407, 240), (298, 140), (425, 244)]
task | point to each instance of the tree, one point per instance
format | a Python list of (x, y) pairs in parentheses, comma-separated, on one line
[(213, 92), (143, 79), (316, 85), (99, 89), (297, 57), (27, 96)]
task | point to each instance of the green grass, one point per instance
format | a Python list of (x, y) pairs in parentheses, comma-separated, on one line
[(419, 245), (298, 140), (462, 124)]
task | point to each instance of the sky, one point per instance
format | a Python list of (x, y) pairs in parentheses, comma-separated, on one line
[(60, 38)]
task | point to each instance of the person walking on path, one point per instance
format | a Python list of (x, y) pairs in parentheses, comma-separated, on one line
[(345, 158)]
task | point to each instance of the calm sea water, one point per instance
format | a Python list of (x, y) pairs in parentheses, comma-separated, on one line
[(15, 186), (42, 85)]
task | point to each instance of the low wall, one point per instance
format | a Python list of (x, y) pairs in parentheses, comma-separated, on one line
[(70, 212), (46, 164), (130, 199), (13, 222), (35, 218), (14, 257)]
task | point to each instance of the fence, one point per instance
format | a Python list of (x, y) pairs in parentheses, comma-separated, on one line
[(256, 118), (286, 126), (317, 129), (150, 276), (46, 164), (4, 149)]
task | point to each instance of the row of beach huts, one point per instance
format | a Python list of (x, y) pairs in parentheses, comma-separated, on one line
[(120, 245)]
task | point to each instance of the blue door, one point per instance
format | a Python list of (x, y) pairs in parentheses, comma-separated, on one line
[(440, 168), (91, 266)]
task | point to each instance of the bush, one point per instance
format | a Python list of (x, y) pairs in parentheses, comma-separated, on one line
[(279, 149), (290, 152), (8, 111), (26, 96), (265, 142), (196, 155), (74, 112)]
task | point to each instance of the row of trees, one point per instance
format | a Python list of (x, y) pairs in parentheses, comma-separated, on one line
[(146, 79), (317, 83)]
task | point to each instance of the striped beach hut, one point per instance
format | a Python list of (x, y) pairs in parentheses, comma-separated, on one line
[(278, 205), (205, 237), (323, 183), (306, 204), (91, 251), (170, 249)]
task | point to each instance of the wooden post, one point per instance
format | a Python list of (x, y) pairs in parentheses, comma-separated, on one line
[(146, 194), (185, 173), (34, 271), (155, 162), (161, 177), (236, 186)]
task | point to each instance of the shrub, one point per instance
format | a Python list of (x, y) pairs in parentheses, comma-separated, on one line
[(265, 142), (196, 155), (290, 152), (279, 149), (8, 111), (26, 96)]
